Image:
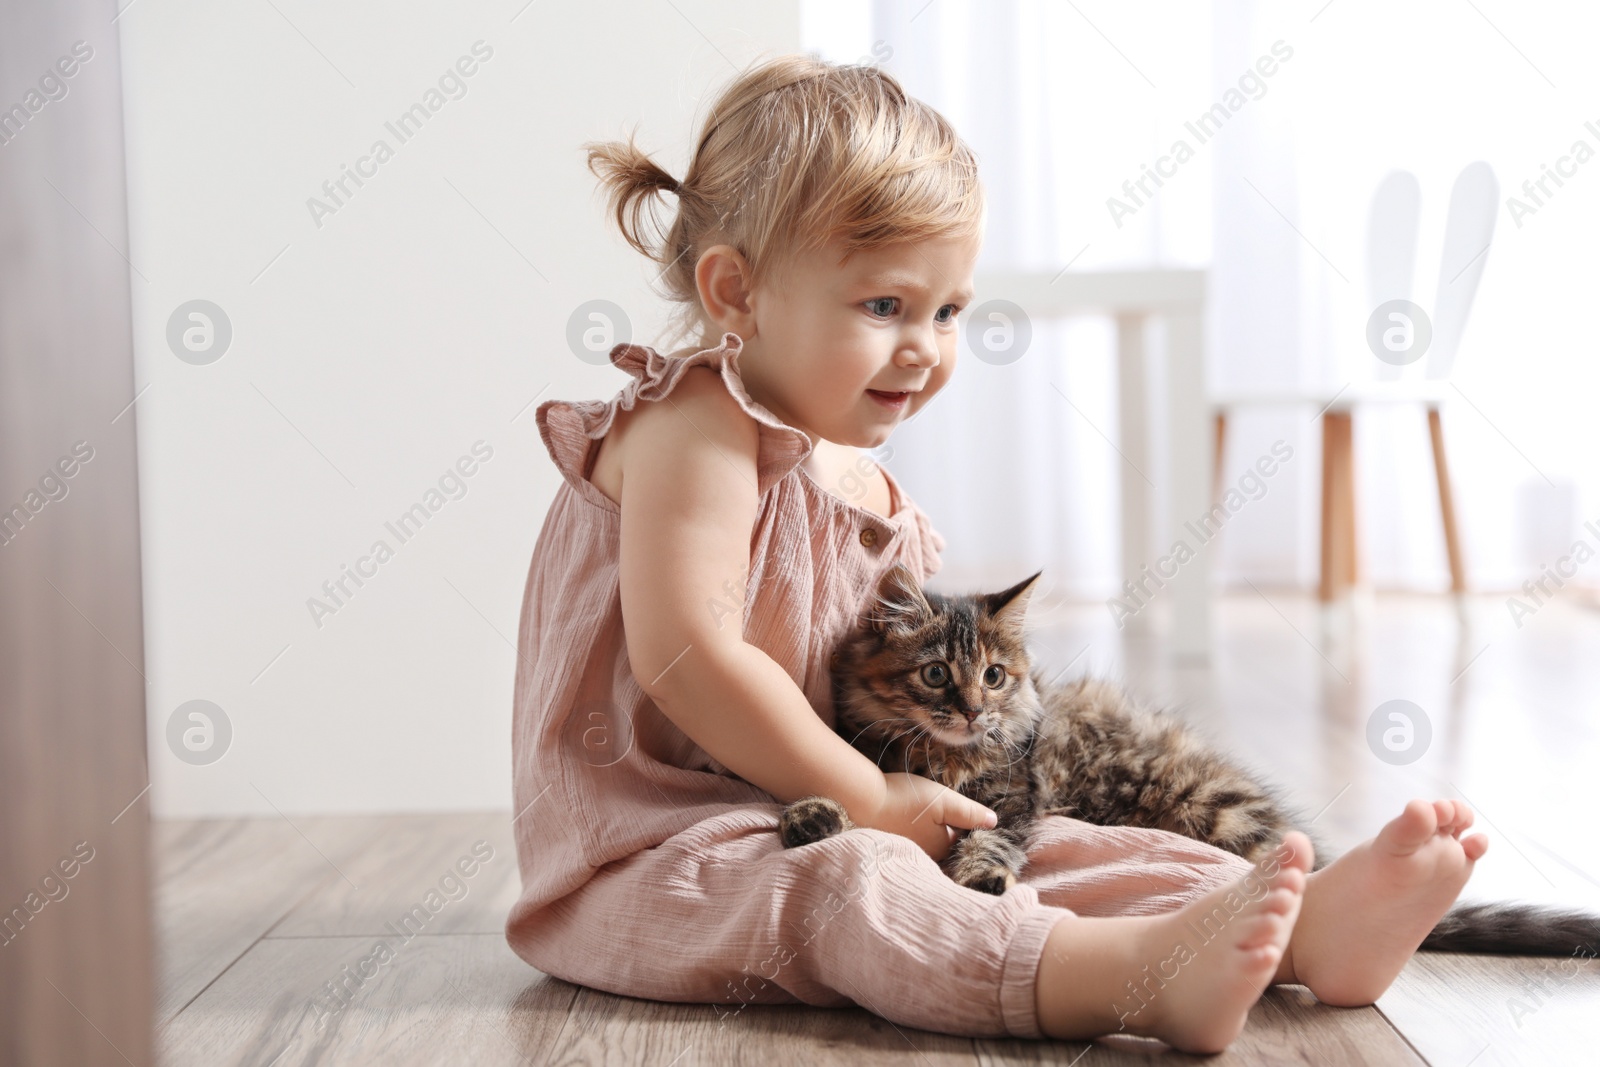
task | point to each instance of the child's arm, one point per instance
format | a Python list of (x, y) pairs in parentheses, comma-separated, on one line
[(689, 503)]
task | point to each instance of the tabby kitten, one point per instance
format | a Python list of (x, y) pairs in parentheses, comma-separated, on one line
[(942, 686)]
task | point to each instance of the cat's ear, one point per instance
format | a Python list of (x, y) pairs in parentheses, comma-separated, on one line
[(1010, 606), (899, 603)]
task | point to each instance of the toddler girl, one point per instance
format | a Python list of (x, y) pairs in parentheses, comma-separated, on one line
[(694, 572)]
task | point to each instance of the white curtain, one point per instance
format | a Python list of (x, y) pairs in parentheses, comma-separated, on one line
[(1065, 103)]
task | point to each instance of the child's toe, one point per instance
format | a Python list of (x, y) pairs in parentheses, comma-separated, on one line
[(1412, 828)]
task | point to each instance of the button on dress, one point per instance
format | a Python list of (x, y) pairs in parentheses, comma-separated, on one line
[(651, 870)]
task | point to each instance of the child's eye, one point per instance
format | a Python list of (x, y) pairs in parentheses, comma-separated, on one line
[(884, 306)]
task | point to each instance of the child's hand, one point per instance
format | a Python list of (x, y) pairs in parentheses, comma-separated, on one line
[(926, 812)]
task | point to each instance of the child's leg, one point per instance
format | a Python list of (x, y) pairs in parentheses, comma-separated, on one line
[(1366, 913), (1123, 870), (722, 913)]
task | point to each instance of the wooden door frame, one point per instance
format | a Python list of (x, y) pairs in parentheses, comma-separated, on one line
[(76, 943)]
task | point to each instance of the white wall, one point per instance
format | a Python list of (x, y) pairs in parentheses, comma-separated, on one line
[(368, 354)]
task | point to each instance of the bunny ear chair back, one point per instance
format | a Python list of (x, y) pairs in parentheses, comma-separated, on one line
[(1468, 233), (1392, 226)]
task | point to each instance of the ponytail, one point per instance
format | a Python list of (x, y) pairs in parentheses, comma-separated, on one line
[(633, 181)]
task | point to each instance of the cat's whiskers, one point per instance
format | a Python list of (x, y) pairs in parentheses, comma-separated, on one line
[(904, 739), (878, 722), (910, 746), (887, 743)]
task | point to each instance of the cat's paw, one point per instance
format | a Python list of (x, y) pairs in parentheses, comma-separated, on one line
[(994, 879), (812, 819), (985, 861)]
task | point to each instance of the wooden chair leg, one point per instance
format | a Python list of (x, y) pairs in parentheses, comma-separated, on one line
[(1352, 544), (1339, 567), (1325, 584), (1216, 456), (1447, 504)]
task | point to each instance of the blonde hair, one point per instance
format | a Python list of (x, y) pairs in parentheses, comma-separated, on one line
[(796, 153)]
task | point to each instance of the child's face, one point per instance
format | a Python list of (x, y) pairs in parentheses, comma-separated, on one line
[(826, 338)]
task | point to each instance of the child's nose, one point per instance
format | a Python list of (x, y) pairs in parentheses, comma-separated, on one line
[(922, 353)]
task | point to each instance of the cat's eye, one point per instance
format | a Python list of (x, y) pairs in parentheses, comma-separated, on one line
[(995, 676), (935, 676)]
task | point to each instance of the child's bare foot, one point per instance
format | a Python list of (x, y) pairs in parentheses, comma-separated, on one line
[(1231, 958), (1366, 913), (1189, 977)]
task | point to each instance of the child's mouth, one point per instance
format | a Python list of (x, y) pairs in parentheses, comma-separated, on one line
[(892, 401)]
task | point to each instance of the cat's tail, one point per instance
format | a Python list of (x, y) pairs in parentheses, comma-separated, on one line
[(1516, 930)]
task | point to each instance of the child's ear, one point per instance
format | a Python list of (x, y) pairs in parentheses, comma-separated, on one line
[(722, 275)]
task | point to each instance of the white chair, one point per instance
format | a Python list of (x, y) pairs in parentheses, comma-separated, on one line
[(1391, 254)]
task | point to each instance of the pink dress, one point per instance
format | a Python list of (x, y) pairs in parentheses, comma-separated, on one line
[(650, 870)]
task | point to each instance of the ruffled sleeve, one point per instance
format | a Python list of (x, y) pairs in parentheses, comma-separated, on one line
[(569, 428)]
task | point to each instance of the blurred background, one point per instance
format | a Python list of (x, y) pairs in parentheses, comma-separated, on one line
[(305, 266)]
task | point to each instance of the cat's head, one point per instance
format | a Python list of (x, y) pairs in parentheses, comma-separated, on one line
[(945, 671)]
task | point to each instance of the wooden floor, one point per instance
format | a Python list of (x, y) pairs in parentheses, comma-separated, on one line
[(259, 918)]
